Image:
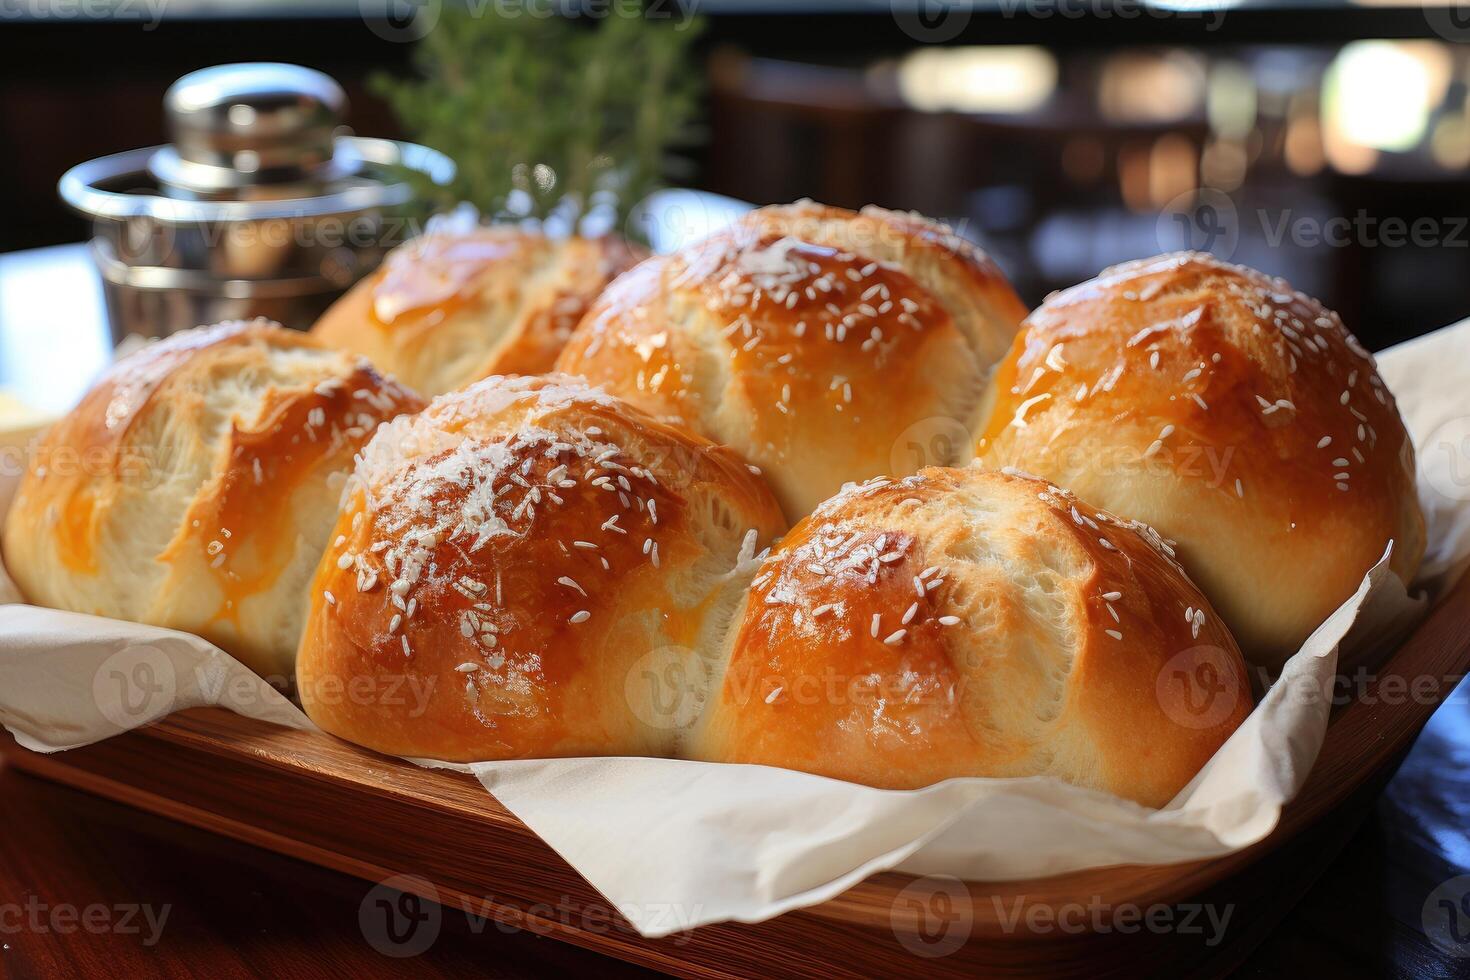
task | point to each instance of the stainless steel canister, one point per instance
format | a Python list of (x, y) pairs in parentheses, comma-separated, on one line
[(261, 206)]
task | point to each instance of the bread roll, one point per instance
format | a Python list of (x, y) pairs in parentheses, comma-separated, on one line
[(969, 623), (457, 305), (811, 339), (509, 560), (1231, 412), (194, 486)]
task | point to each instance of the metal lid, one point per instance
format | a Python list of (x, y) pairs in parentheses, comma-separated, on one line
[(252, 125)]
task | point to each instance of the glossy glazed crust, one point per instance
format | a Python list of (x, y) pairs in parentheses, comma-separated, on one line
[(506, 561), (969, 623), (1231, 412), (818, 342), (194, 485), (453, 306)]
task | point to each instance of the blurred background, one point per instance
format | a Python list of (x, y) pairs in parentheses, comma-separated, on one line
[(1327, 141)]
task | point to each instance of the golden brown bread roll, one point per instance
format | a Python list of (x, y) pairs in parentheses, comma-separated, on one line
[(806, 337), (508, 557), (1234, 414), (456, 305), (194, 486), (962, 622)]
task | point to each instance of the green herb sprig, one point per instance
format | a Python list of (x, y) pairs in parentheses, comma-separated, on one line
[(564, 121)]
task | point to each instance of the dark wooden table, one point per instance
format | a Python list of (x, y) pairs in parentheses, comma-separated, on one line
[(90, 888)]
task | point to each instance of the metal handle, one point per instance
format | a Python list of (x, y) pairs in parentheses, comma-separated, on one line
[(79, 188)]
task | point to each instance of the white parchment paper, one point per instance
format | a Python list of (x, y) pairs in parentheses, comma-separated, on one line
[(676, 844)]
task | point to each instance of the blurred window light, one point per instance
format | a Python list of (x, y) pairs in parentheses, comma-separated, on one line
[(1379, 95), (1223, 164), (1451, 143), (1151, 87), (1001, 79), (1133, 177), (1217, 7), (1173, 169), (1230, 103), (1303, 145)]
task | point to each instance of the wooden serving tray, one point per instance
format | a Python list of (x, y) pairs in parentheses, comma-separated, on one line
[(322, 800)]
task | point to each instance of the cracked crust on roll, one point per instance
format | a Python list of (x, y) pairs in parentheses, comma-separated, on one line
[(194, 486), (1233, 413), (456, 305), (962, 622), (518, 570), (825, 345)]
